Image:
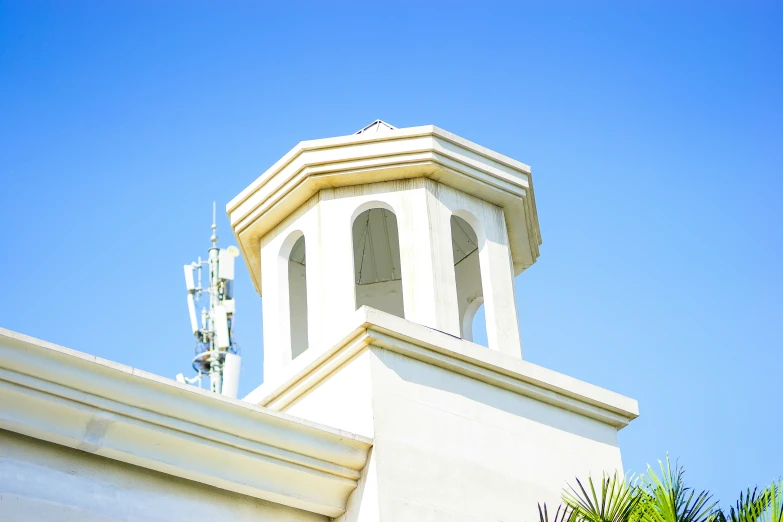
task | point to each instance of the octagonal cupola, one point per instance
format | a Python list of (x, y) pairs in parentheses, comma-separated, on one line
[(416, 222)]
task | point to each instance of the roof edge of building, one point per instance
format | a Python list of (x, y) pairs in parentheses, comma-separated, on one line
[(70, 398)]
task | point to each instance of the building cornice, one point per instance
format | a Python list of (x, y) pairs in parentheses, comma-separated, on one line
[(373, 328), (352, 139), (426, 151), (94, 405)]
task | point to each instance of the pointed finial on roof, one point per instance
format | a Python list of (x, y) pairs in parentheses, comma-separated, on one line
[(376, 126)]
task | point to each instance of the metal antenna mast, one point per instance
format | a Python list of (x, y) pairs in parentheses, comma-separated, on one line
[(216, 350)]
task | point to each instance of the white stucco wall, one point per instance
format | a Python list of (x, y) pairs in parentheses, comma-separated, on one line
[(41, 481), (344, 400), (452, 448), (451, 445)]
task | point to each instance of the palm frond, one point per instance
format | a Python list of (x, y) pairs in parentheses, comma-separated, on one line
[(671, 501), (749, 508), (615, 502), (774, 511), (563, 514)]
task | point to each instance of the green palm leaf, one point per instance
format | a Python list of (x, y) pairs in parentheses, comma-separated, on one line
[(615, 502), (749, 508), (774, 511), (563, 514), (669, 500)]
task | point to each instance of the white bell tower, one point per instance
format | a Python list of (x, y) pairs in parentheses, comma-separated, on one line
[(416, 222), (372, 253)]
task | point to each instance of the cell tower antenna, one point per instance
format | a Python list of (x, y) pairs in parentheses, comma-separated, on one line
[(214, 237), (216, 350)]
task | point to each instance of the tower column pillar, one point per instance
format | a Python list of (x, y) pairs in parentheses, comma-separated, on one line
[(428, 284), (334, 263), (274, 334), (497, 280)]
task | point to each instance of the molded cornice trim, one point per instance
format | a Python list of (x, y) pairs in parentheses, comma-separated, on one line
[(357, 159), (374, 328), (70, 398)]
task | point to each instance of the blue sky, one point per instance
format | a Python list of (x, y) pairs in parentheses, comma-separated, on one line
[(654, 132)]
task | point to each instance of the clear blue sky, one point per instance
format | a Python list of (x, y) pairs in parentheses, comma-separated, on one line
[(655, 135)]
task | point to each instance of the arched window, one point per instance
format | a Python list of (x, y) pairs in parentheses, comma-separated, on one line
[(376, 261), (467, 271), (297, 298), (479, 328)]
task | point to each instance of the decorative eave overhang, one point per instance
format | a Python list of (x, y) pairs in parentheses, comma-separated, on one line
[(374, 328), (94, 405), (426, 151)]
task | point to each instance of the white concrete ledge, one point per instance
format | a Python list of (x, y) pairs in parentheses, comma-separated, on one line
[(94, 405), (375, 328)]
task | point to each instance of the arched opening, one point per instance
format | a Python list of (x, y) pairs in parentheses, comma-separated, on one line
[(376, 261), (479, 327), (467, 271), (297, 298)]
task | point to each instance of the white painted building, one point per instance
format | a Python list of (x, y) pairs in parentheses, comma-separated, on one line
[(372, 253)]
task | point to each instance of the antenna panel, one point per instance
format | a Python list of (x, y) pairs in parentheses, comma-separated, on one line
[(226, 265), (222, 339), (189, 278), (230, 306), (192, 313), (231, 368)]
